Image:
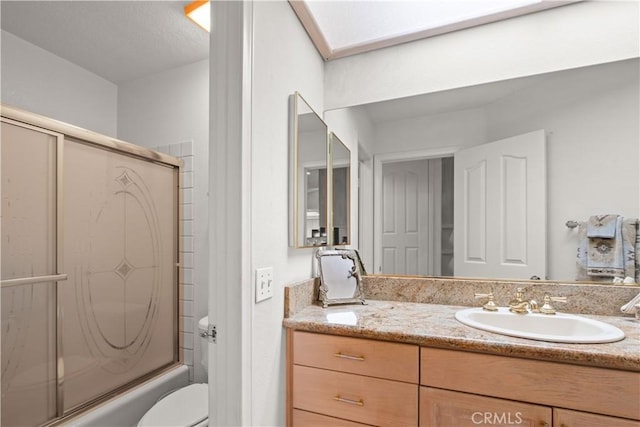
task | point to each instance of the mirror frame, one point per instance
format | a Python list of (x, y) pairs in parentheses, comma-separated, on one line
[(333, 140), (295, 180), (354, 272)]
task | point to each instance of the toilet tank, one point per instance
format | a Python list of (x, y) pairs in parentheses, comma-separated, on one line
[(204, 345)]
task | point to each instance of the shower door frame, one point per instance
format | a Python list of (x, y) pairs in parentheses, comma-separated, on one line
[(59, 254), (61, 131)]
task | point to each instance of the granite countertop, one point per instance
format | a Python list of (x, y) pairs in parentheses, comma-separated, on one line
[(434, 325)]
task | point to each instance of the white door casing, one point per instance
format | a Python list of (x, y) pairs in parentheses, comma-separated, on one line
[(230, 297), (433, 224), (500, 208)]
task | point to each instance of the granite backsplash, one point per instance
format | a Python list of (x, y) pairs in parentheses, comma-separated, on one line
[(582, 298)]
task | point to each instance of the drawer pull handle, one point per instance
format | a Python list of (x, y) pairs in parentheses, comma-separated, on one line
[(346, 356), (358, 402)]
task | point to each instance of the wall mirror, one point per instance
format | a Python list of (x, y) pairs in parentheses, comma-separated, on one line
[(339, 277), (591, 122), (340, 190), (308, 192)]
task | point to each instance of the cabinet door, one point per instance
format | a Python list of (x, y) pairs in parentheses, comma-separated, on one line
[(355, 397), (567, 418), (444, 408), (582, 388), (379, 359), (310, 419)]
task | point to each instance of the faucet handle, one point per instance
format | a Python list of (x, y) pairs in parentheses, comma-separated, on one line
[(547, 308), (490, 305)]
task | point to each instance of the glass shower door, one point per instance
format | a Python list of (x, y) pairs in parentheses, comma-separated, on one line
[(89, 271), (28, 273), (120, 253)]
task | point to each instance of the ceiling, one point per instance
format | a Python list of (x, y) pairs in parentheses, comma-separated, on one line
[(117, 40), (127, 40), (447, 101)]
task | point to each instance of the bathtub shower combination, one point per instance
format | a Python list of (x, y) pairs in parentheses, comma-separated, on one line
[(89, 267)]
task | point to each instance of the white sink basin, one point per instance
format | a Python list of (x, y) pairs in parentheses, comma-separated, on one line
[(560, 327)]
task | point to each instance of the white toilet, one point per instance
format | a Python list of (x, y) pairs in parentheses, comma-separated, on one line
[(184, 407)]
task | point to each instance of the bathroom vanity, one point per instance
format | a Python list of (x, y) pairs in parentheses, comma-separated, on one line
[(392, 363)]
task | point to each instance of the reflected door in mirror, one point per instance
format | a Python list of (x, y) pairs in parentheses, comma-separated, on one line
[(340, 191)]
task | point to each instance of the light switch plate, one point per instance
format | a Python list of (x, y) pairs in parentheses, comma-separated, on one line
[(264, 283)]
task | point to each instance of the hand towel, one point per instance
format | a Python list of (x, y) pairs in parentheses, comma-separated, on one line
[(602, 226), (605, 256)]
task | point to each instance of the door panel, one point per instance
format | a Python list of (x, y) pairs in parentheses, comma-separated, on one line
[(405, 217), (500, 215), (475, 213), (514, 226)]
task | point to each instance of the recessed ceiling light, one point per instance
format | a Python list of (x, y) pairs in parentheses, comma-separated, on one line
[(199, 12)]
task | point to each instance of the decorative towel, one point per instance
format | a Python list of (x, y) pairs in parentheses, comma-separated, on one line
[(630, 251), (602, 226), (605, 257), (581, 259)]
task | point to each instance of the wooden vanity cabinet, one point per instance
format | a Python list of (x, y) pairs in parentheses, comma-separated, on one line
[(342, 381), (462, 388), (348, 382), (445, 408), (567, 418)]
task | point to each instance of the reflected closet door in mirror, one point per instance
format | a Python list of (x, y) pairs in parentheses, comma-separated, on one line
[(308, 180), (340, 191)]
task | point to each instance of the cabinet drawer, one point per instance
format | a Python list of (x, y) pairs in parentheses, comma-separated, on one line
[(443, 408), (309, 419), (380, 359), (566, 418), (584, 388), (353, 397)]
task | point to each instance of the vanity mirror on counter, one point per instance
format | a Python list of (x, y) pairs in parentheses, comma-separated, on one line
[(319, 180), (339, 277)]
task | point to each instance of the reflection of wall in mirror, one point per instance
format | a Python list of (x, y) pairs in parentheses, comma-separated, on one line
[(315, 207), (446, 251), (340, 204), (311, 197)]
